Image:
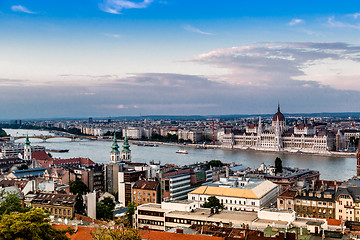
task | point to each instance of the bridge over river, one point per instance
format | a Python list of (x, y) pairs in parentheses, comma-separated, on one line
[(46, 137)]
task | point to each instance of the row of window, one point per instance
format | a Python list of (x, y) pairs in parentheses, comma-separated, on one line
[(144, 193), (151, 222), (151, 213), (230, 201)]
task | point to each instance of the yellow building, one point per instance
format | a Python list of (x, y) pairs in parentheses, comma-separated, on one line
[(58, 205), (347, 203)]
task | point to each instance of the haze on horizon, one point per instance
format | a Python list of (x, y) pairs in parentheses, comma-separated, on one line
[(177, 57)]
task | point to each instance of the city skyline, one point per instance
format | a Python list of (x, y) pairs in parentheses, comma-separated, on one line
[(177, 57)]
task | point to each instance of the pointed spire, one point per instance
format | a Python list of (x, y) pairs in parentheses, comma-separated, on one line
[(278, 107), (115, 146), (27, 141), (126, 144)]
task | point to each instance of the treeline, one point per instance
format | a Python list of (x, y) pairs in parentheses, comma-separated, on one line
[(2, 133)]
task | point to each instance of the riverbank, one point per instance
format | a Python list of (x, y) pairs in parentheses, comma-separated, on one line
[(201, 146)]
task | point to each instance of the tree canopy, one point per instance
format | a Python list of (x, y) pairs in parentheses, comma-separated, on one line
[(115, 231), (78, 187), (31, 225), (11, 203), (131, 207), (215, 163), (278, 166), (105, 208), (213, 202)]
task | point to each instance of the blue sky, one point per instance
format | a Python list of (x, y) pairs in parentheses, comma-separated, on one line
[(124, 57)]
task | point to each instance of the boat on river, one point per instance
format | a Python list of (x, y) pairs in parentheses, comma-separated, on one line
[(182, 152)]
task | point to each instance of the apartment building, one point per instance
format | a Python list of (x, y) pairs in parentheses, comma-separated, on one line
[(58, 205), (347, 200), (177, 183), (146, 192), (127, 180), (315, 204)]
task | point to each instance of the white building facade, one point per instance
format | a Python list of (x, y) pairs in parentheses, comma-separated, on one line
[(238, 194)]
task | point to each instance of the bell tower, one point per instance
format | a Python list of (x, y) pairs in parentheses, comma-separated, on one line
[(27, 149), (115, 153), (126, 152)]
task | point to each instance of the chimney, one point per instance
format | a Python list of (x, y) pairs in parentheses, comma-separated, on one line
[(179, 231)]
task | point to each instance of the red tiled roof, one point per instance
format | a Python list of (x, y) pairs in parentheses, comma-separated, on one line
[(40, 155), (288, 194), (147, 185), (174, 236), (87, 219), (81, 232)]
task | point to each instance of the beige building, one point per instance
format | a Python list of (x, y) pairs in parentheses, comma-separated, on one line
[(146, 192), (347, 202), (58, 205), (238, 193)]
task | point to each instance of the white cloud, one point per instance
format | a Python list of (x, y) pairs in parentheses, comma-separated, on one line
[(355, 15), (287, 63), (116, 6), (196, 30), (334, 23), (112, 35), (20, 8), (295, 21)]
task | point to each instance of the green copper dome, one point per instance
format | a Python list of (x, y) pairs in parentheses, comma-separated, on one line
[(27, 141), (115, 146), (126, 145)]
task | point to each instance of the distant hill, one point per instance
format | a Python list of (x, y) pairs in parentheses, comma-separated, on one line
[(353, 115)]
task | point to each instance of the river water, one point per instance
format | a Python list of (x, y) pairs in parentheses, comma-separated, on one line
[(331, 168)]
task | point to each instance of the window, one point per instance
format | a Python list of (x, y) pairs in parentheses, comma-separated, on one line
[(253, 203), (68, 212)]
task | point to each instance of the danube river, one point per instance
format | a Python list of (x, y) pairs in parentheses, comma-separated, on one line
[(331, 168)]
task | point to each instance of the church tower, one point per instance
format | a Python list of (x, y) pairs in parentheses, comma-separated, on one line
[(27, 149), (126, 152), (115, 153)]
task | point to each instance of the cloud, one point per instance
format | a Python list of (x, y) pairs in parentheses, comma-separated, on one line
[(20, 8), (340, 24), (112, 35), (303, 76), (286, 63), (12, 82), (116, 6), (195, 30), (354, 15), (295, 21)]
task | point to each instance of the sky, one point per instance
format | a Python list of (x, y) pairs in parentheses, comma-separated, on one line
[(101, 58)]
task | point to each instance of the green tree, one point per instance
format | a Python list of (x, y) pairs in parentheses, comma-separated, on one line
[(130, 211), (31, 225), (79, 188), (278, 166), (215, 163), (105, 208), (111, 231), (213, 202), (11, 202), (80, 207), (2, 133)]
